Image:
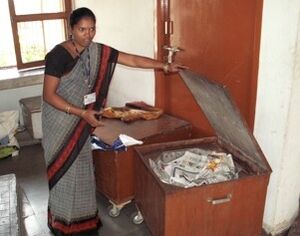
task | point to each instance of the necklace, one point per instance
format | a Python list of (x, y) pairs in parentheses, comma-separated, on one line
[(87, 66)]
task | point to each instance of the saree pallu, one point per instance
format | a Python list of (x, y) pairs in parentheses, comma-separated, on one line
[(72, 208)]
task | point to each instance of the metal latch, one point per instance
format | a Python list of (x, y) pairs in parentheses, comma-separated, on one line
[(171, 51)]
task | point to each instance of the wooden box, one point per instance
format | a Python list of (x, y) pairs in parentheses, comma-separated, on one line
[(31, 111), (233, 207), (114, 170)]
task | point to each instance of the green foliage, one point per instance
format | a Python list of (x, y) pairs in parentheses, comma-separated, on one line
[(33, 53), (30, 53)]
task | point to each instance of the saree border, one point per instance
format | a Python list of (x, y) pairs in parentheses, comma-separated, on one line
[(84, 226)]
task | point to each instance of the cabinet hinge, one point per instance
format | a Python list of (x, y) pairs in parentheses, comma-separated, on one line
[(168, 27)]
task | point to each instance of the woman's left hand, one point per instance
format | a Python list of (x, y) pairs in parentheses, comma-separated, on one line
[(92, 117)]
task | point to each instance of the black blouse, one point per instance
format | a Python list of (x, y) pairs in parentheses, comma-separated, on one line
[(59, 61)]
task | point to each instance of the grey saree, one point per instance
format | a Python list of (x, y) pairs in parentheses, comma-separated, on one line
[(72, 208)]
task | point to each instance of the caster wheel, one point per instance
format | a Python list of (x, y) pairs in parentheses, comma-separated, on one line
[(138, 219), (114, 211)]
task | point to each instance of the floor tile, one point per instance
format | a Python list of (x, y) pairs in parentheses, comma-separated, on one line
[(9, 211)]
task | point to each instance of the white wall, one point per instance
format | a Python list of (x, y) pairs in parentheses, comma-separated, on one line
[(127, 26), (9, 99), (277, 111)]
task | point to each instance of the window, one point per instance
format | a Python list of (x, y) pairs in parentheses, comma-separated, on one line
[(31, 29)]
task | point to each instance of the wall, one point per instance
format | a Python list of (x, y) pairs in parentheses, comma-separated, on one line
[(12, 90), (127, 26), (10, 98), (277, 111)]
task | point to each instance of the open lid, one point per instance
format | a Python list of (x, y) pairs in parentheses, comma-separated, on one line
[(214, 100)]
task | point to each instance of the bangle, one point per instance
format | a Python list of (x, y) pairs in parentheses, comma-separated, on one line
[(166, 68), (82, 113), (67, 109)]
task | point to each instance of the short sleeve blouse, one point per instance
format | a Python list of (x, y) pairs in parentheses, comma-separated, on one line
[(59, 62)]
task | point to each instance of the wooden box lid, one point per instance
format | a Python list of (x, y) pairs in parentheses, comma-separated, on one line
[(223, 115)]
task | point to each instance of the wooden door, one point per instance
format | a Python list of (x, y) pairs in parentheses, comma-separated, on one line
[(220, 40)]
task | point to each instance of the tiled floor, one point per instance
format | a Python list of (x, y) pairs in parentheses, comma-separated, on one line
[(29, 168), (9, 224)]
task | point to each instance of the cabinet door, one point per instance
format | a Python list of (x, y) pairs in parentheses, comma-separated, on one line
[(219, 40)]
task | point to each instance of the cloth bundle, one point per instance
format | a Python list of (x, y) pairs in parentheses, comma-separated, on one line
[(120, 144), (8, 126)]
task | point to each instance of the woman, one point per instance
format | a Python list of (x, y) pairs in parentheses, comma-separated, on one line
[(77, 76)]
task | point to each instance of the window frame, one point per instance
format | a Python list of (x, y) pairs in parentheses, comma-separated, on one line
[(15, 19)]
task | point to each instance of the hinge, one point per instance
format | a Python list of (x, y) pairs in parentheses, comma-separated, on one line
[(168, 27)]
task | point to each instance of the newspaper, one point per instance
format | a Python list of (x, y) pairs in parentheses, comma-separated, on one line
[(193, 167)]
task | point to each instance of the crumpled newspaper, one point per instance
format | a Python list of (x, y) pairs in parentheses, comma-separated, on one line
[(193, 167)]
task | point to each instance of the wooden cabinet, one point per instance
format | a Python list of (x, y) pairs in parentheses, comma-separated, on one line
[(114, 170), (233, 207), (229, 208)]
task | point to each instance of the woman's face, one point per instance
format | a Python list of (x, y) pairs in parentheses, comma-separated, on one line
[(84, 32)]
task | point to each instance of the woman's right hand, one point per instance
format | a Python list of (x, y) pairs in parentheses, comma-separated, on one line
[(90, 116)]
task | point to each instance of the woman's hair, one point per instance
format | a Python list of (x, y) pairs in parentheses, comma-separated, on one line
[(80, 13)]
